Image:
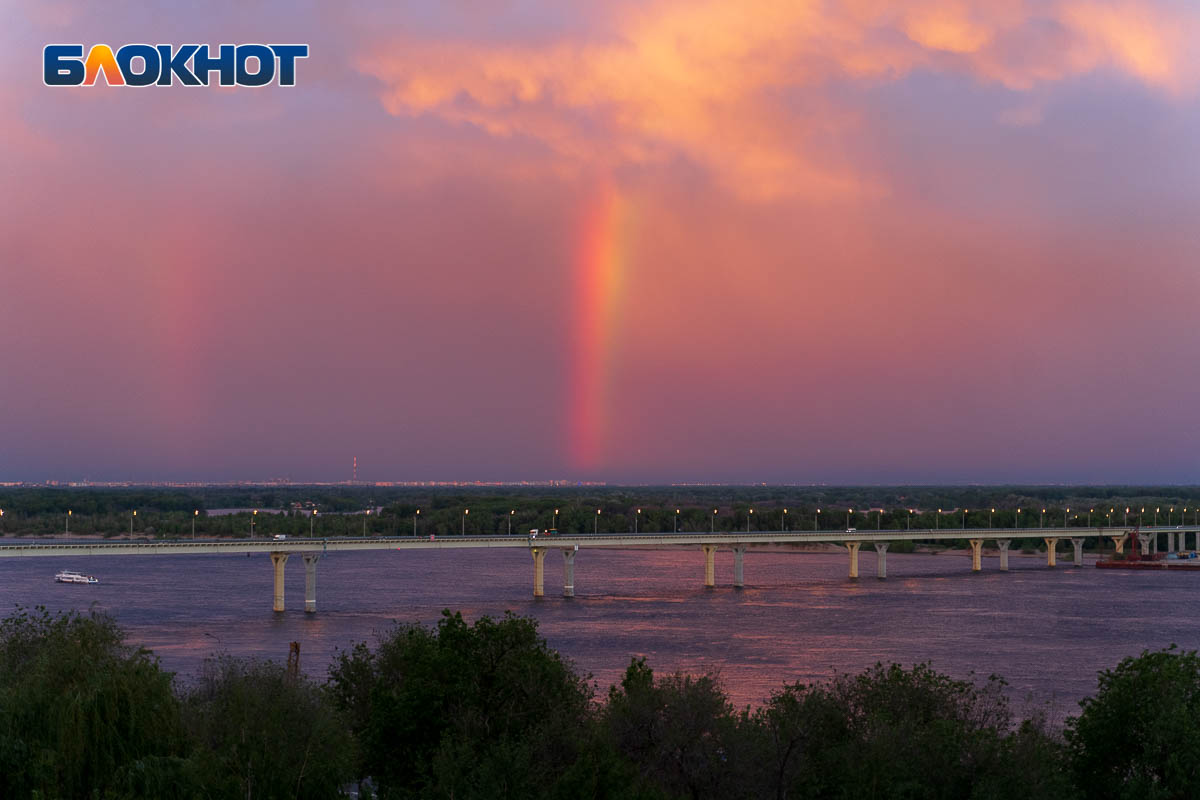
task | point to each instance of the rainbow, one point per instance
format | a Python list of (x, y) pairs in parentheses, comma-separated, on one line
[(601, 263)]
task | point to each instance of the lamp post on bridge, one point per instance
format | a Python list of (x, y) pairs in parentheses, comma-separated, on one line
[(1017, 519), (1170, 516), (464, 521), (1066, 516), (131, 518), (67, 530), (596, 523), (555, 525), (1090, 510), (783, 521), (991, 514), (937, 521), (712, 528), (635, 520), (313, 516), (878, 519), (1042, 519), (365, 522), (1156, 516), (910, 513), (748, 518), (416, 516), (964, 525), (510, 516), (195, 514), (849, 511), (817, 519), (675, 522), (252, 516)]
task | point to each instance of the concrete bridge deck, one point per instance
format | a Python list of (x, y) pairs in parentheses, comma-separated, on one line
[(311, 549)]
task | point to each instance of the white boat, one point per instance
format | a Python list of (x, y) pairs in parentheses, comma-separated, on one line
[(70, 576)]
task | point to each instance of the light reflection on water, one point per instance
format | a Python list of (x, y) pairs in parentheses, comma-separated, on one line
[(1046, 631)]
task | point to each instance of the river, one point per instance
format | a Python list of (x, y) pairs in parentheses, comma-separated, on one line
[(1047, 631)]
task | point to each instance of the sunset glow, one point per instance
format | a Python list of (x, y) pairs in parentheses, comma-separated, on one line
[(938, 240)]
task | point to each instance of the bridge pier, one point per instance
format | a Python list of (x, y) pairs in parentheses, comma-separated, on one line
[(1003, 545), (1119, 542), (310, 581), (976, 554), (1170, 541), (539, 563), (569, 571), (1144, 541), (278, 560), (1051, 555), (853, 548), (1078, 545), (881, 560), (738, 552), (710, 566)]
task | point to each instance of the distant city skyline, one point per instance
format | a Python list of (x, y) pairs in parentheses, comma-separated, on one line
[(628, 242)]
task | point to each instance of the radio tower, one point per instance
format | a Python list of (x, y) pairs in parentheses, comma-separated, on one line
[(355, 473)]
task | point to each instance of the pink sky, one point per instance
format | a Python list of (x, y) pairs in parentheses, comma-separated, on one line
[(665, 241)]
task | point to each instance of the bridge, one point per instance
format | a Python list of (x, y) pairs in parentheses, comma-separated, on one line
[(311, 550)]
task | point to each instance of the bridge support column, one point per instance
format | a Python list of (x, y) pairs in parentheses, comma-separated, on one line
[(1171, 542), (569, 571), (1144, 541), (1078, 545), (539, 563), (1051, 555), (710, 566), (277, 561), (853, 548), (1003, 545), (976, 554), (738, 552), (310, 581), (1119, 542), (881, 560)]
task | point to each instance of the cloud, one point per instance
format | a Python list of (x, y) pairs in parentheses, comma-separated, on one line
[(746, 91)]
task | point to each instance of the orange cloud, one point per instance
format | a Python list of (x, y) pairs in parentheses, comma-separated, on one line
[(740, 89)]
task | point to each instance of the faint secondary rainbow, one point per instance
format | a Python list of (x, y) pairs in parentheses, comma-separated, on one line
[(600, 266)]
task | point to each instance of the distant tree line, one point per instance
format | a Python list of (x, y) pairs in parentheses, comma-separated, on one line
[(442, 512), (488, 710)]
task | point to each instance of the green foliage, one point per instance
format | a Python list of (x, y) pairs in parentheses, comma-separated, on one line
[(1139, 737), (81, 713), (256, 732), (485, 710)]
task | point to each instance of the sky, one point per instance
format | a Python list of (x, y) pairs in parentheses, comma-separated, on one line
[(655, 241)]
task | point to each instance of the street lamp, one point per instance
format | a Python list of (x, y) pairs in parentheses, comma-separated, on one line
[(712, 528), (964, 525), (748, 516), (849, 511), (464, 521), (596, 522), (991, 514), (2, 519), (783, 521), (910, 513), (365, 522), (416, 516), (556, 519), (1126, 515), (1108, 524), (131, 516), (1017, 518), (1155, 517), (1170, 515), (510, 516), (195, 514), (252, 516), (816, 519), (636, 517), (1042, 522), (675, 522), (1090, 510), (314, 516), (1066, 524), (937, 521), (68, 528), (878, 518)]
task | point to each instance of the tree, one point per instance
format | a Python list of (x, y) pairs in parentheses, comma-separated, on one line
[(1139, 737), (256, 732), (81, 713), (485, 710)]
